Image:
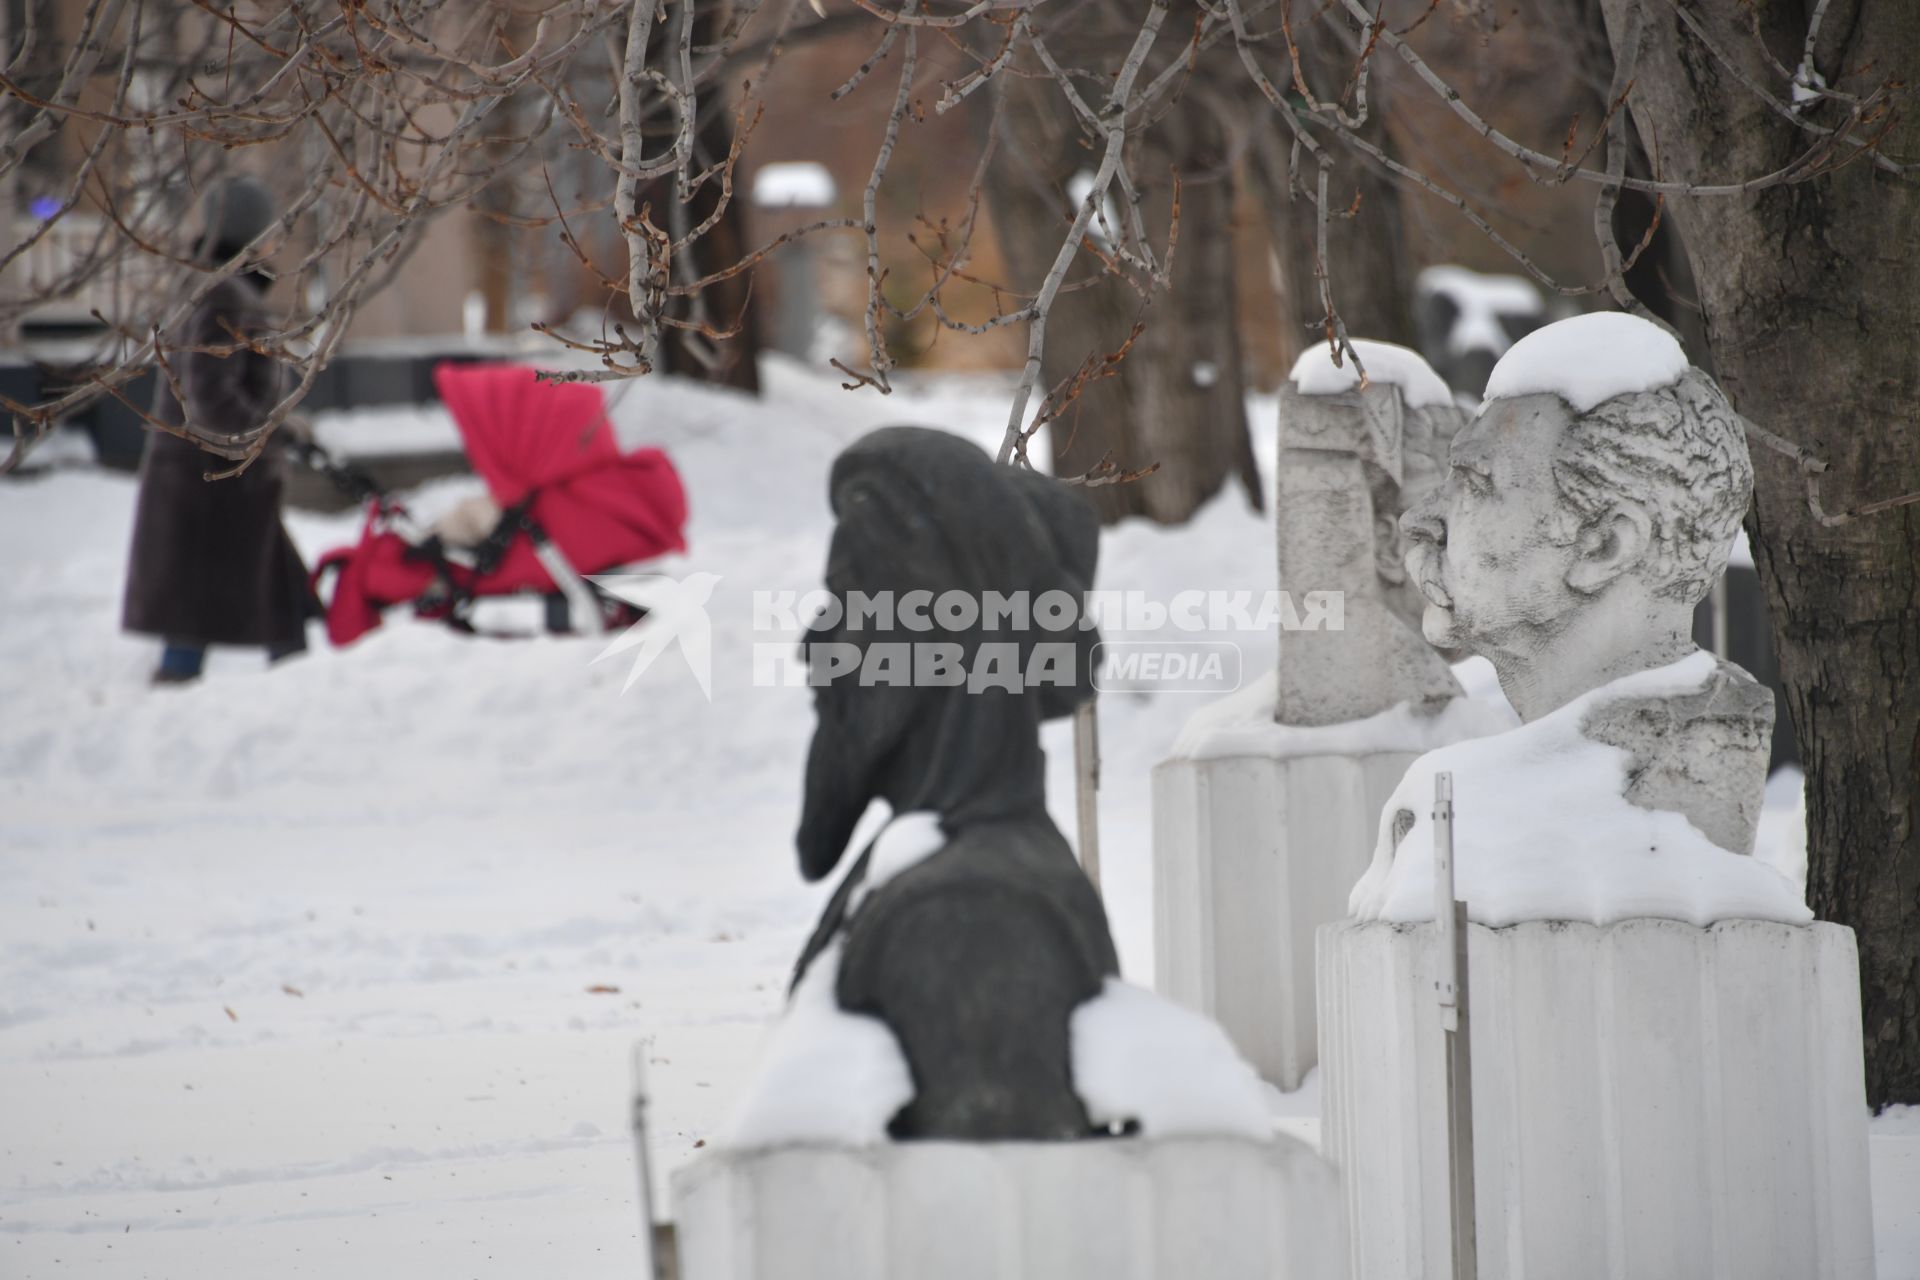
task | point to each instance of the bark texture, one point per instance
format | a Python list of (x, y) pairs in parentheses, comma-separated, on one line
[(728, 353), (1811, 294), (1372, 279), (1371, 273), (1178, 399)]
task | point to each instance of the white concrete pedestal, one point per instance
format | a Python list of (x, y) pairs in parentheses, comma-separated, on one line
[(1119, 1209), (1251, 854), (1651, 1099)]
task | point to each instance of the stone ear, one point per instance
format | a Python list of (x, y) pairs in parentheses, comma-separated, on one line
[(1389, 548), (1609, 547)]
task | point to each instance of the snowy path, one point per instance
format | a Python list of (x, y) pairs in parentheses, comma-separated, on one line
[(304, 972)]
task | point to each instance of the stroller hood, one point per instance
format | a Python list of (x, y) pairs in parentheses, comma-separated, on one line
[(523, 434)]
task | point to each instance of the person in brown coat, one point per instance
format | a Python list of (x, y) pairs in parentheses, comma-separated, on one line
[(211, 561)]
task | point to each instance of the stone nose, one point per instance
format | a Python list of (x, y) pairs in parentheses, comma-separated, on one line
[(1422, 524)]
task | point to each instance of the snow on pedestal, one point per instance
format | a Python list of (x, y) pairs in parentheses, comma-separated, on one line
[(1548, 830), (1651, 1099), (1259, 832), (1112, 1209), (808, 1185), (1666, 1054)]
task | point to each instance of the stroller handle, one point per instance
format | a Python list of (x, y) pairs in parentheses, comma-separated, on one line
[(350, 480)]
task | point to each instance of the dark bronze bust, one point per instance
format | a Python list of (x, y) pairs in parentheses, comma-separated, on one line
[(976, 955)]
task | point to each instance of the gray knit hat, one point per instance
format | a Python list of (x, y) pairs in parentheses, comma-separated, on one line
[(234, 211)]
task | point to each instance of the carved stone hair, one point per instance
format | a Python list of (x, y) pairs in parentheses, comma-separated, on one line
[(1679, 453)]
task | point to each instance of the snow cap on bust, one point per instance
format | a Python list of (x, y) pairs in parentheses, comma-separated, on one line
[(1588, 360), (1315, 374)]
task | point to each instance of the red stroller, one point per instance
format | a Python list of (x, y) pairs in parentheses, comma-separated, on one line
[(569, 503)]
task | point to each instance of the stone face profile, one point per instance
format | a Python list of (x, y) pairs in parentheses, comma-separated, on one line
[(1585, 511), (975, 951), (1351, 460)]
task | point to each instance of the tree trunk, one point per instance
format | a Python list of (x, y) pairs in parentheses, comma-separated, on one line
[(1370, 273), (728, 354), (1372, 279), (733, 360), (1811, 293), (1179, 398)]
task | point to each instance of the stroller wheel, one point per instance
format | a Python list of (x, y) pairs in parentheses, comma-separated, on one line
[(615, 614)]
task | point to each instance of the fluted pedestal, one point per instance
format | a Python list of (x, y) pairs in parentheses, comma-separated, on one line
[(1651, 1099), (1251, 854), (1119, 1209)]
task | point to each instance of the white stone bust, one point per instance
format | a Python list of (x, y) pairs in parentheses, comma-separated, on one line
[(1351, 459), (1586, 510)]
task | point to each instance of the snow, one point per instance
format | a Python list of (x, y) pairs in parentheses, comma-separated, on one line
[(837, 1078), (1741, 554), (1315, 374), (1140, 1059), (67, 446), (1808, 85), (1587, 360), (415, 871), (905, 842), (1481, 300), (1242, 724), (829, 1076), (793, 184), (396, 429), (1782, 839), (1543, 831), (1105, 224)]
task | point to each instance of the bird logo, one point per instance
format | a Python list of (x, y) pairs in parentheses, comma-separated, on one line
[(675, 611)]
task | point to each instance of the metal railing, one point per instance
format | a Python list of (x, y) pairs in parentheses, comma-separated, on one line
[(72, 270)]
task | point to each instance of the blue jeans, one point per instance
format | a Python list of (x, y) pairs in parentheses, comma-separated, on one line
[(182, 660)]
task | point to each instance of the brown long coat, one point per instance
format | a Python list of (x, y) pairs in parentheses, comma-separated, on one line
[(211, 562)]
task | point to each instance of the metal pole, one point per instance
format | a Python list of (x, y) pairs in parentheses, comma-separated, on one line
[(1450, 924), (1720, 610), (658, 1268), (1086, 787), (583, 608)]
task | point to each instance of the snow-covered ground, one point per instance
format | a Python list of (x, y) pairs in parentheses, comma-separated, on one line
[(336, 969)]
